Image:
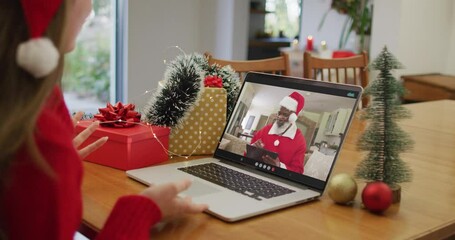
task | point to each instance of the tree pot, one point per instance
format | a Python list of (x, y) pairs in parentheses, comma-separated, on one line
[(396, 193)]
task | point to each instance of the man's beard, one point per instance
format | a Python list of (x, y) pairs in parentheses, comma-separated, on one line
[(280, 123)]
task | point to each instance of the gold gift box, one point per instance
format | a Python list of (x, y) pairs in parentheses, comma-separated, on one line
[(202, 128)]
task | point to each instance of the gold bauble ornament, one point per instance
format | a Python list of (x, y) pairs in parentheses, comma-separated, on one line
[(342, 188)]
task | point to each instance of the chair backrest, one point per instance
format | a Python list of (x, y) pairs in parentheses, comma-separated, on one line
[(350, 70), (276, 65)]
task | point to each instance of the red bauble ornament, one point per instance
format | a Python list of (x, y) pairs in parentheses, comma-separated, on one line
[(377, 196)]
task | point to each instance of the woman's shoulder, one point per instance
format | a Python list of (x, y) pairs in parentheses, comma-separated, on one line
[(54, 122), (55, 109)]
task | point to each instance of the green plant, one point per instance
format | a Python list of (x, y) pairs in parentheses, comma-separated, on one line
[(87, 69), (359, 17)]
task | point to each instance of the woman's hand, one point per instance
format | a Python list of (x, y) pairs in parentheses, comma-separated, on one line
[(171, 205), (82, 136)]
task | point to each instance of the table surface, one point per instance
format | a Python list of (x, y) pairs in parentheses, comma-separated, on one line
[(439, 80), (426, 211)]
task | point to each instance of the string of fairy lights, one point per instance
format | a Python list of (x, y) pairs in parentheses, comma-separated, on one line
[(165, 148), (171, 154)]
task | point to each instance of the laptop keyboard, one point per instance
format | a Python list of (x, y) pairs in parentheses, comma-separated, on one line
[(237, 181)]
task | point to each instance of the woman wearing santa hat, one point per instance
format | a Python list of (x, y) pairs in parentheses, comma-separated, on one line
[(283, 136), (40, 168)]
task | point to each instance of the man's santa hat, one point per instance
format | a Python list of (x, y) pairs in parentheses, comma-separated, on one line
[(295, 103), (38, 55)]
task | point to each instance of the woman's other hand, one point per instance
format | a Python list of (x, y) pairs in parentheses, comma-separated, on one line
[(82, 136), (171, 205)]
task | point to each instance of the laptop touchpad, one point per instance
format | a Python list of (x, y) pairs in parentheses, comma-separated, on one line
[(198, 189)]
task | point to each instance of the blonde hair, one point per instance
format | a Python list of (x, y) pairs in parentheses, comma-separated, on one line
[(22, 95)]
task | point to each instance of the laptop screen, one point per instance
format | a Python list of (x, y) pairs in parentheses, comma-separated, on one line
[(262, 133)]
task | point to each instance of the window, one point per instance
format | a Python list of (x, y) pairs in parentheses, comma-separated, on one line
[(285, 20), (91, 69)]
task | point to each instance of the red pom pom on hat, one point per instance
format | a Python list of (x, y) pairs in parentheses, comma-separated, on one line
[(38, 55)]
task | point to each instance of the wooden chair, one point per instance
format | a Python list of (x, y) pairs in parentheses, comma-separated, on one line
[(349, 70), (277, 65)]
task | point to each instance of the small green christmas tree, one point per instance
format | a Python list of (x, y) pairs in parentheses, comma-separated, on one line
[(384, 139)]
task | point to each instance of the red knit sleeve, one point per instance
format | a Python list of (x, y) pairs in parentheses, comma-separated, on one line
[(131, 218), (258, 134)]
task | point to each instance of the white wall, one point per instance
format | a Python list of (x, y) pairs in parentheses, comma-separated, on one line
[(216, 31), (385, 27), (418, 32), (450, 64), (224, 28), (154, 26), (240, 33)]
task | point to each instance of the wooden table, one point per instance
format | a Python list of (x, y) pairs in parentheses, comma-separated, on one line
[(426, 211), (428, 87)]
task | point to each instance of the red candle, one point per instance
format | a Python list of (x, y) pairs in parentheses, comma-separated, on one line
[(309, 43)]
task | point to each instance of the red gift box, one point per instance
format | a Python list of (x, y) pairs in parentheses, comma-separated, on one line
[(128, 148)]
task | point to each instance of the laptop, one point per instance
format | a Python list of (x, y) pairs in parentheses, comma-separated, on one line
[(237, 187)]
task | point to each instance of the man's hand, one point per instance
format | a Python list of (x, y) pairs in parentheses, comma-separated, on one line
[(81, 137), (272, 161), (267, 159), (258, 144)]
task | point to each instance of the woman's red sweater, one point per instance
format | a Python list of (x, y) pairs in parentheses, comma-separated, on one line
[(34, 205)]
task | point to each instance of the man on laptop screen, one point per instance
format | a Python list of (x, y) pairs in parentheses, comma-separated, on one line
[(283, 136)]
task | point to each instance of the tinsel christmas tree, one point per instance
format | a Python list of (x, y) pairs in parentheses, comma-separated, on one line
[(182, 87), (231, 83), (183, 79), (384, 139)]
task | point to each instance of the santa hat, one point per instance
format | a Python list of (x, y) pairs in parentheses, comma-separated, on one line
[(38, 55), (293, 102)]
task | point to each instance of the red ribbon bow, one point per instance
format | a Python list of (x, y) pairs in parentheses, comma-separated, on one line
[(213, 81), (118, 116)]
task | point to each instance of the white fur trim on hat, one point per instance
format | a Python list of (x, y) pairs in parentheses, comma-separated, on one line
[(38, 56), (289, 103), (292, 118)]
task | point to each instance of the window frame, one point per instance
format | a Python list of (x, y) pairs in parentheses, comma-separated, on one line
[(119, 86)]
